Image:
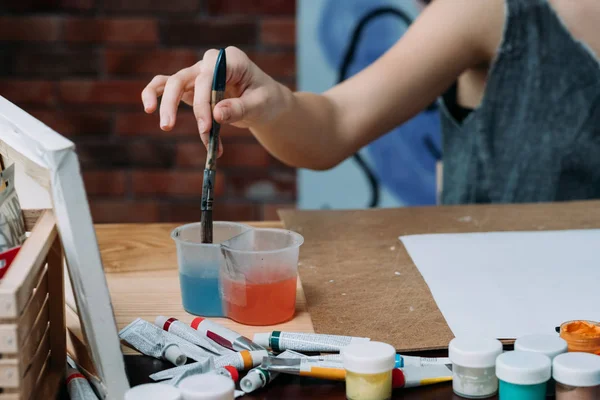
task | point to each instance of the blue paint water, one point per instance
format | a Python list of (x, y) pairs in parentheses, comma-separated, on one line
[(510, 391), (201, 296)]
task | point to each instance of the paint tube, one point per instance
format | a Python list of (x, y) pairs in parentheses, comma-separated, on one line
[(280, 341), (178, 328), (199, 367), (78, 386), (242, 361), (238, 393), (223, 336), (152, 342), (410, 376), (229, 372), (401, 361), (305, 367), (259, 377), (413, 376), (151, 335)]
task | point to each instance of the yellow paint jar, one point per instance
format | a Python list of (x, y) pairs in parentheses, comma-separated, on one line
[(369, 370)]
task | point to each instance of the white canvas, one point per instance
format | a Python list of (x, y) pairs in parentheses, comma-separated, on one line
[(508, 284), (50, 160)]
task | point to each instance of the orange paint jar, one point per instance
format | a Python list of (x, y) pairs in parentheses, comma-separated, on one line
[(581, 336)]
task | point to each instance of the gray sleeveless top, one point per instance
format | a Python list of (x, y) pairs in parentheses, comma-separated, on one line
[(536, 135)]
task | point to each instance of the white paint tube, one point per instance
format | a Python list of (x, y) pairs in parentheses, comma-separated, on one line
[(414, 376), (238, 393), (280, 341), (223, 336), (401, 361), (78, 386), (259, 377), (147, 336), (242, 361), (184, 331), (199, 368)]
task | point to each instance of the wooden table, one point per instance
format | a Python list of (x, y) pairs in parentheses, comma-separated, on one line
[(141, 270)]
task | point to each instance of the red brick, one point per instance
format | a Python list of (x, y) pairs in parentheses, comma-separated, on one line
[(190, 212), (42, 29), (209, 32), (140, 123), (257, 7), (27, 92), (147, 62), (278, 31), (105, 183), (171, 6), (104, 30), (52, 62), (122, 211), (262, 184), (173, 183), (269, 211), (47, 5), (277, 64), (104, 154), (234, 155), (75, 123), (101, 92)]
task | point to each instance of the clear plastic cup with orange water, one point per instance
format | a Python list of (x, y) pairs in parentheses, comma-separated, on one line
[(259, 276)]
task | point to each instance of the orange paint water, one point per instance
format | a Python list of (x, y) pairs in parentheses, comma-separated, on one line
[(259, 303)]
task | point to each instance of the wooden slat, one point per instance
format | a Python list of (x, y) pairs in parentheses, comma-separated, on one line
[(12, 335), (56, 310), (39, 360), (19, 282), (48, 384), (30, 217), (39, 330)]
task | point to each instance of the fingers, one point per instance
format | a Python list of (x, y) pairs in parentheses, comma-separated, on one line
[(152, 91), (202, 94), (205, 137), (173, 92)]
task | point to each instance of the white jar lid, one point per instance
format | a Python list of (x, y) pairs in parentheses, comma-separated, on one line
[(209, 386), (549, 345), (523, 367), (153, 391), (577, 369), (474, 352), (369, 357)]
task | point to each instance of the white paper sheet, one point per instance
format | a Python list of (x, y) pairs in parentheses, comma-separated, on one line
[(508, 284)]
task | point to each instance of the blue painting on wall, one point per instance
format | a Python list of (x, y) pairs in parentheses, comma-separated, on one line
[(403, 160)]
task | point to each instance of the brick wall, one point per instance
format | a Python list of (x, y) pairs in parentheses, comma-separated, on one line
[(80, 65)]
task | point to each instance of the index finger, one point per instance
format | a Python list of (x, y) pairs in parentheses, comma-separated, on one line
[(152, 91)]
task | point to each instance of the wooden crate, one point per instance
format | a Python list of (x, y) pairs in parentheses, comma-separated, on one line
[(32, 318)]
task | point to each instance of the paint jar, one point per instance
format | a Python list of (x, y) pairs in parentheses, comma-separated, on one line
[(582, 336), (549, 345), (577, 376), (369, 368), (259, 276), (200, 265), (523, 375), (153, 391), (474, 366), (208, 386)]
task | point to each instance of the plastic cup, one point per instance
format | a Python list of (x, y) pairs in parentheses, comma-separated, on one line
[(259, 276), (200, 265)]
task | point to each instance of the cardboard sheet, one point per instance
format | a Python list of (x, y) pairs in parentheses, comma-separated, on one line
[(509, 284), (359, 280)]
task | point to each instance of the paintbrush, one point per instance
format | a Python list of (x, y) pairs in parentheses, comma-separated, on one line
[(210, 169)]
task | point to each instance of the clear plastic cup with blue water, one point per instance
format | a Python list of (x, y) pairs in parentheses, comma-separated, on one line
[(200, 265)]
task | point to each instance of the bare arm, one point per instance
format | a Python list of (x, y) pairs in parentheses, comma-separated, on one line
[(319, 131)]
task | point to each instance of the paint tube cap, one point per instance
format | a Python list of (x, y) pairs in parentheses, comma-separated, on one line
[(163, 322), (196, 322), (229, 372), (549, 345), (398, 378), (209, 386), (369, 357), (253, 380), (153, 391), (577, 369), (262, 339), (174, 355), (474, 352), (523, 367)]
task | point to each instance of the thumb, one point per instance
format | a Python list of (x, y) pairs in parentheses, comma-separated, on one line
[(230, 111)]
